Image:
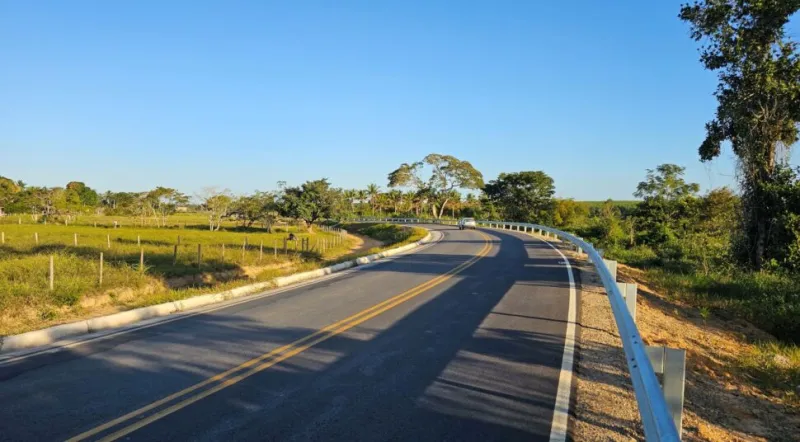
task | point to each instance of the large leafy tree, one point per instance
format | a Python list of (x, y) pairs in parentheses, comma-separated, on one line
[(758, 97), (310, 202), (667, 204), (446, 173), (260, 206), (8, 191), (164, 201), (86, 196), (522, 196)]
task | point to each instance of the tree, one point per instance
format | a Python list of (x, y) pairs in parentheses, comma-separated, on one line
[(522, 196), (217, 203), (310, 202), (395, 198), (164, 201), (611, 226), (667, 202), (758, 97), (87, 196), (567, 213), (8, 190), (708, 239), (373, 192), (447, 173), (249, 209)]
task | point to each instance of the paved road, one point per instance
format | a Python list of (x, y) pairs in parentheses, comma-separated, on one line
[(460, 341)]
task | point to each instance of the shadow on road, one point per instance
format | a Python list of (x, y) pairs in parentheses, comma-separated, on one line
[(476, 359)]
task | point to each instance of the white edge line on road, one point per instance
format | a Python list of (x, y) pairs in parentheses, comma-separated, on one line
[(558, 429), (69, 343)]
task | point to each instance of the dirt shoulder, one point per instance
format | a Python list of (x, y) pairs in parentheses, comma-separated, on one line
[(363, 243), (722, 402)]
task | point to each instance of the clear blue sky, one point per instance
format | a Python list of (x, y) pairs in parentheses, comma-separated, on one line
[(127, 95)]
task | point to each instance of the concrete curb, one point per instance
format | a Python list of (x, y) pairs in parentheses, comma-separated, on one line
[(50, 335)]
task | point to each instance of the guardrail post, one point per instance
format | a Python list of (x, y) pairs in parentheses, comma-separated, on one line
[(671, 364), (612, 267), (628, 291)]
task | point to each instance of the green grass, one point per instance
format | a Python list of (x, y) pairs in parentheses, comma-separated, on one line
[(388, 234), (26, 302), (769, 301), (625, 204), (775, 366)]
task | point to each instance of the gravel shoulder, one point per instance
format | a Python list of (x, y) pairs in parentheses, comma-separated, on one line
[(722, 403)]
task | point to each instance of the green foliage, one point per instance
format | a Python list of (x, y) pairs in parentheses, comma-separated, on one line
[(758, 108), (668, 205), (775, 365), (258, 207), (8, 189), (522, 196), (781, 199), (447, 174), (568, 213), (388, 234), (86, 196), (310, 202), (771, 301), (24, 291)]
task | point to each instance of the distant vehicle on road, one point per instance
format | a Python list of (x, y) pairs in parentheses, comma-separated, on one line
[(467, 223)]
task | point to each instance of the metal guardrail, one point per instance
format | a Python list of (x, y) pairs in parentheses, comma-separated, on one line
[(656, 418)]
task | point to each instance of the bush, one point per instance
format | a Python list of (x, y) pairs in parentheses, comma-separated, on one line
[(388, 234), (770, 301)]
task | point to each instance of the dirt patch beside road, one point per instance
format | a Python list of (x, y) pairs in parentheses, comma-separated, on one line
[(722, 402)]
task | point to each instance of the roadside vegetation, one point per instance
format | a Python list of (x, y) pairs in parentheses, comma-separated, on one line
[(388, 234)]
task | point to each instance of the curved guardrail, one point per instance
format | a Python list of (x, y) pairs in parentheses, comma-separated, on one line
[(656, 419)]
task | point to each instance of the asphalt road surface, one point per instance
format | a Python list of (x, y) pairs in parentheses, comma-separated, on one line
[(461, 340)]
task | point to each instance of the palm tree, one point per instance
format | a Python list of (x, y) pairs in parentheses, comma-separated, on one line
[(395, 197), (410, 198), (350, 195), (373, 191), (361, 195)]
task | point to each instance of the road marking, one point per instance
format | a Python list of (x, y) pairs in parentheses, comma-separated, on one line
[(558, 428), (153, 322), (271, 358)]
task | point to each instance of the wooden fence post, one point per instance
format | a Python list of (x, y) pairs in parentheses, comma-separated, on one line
[(244, 248), (36, 237), (52, 273), (275, 248), (174, 255), (108, 241), (179, 240), (141, 259), (138, 240), (261, 250), (75, 239), (223, 252), (199, 256), (100, 280), (285, 246)]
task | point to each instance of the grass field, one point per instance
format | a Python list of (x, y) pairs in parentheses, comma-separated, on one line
[(623, 204), (170, 265), (178, 220), (231, 257)]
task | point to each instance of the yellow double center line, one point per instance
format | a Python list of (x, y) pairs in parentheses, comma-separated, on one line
[(267, 360)]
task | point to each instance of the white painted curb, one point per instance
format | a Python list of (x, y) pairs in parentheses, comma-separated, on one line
[(38, 338)]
